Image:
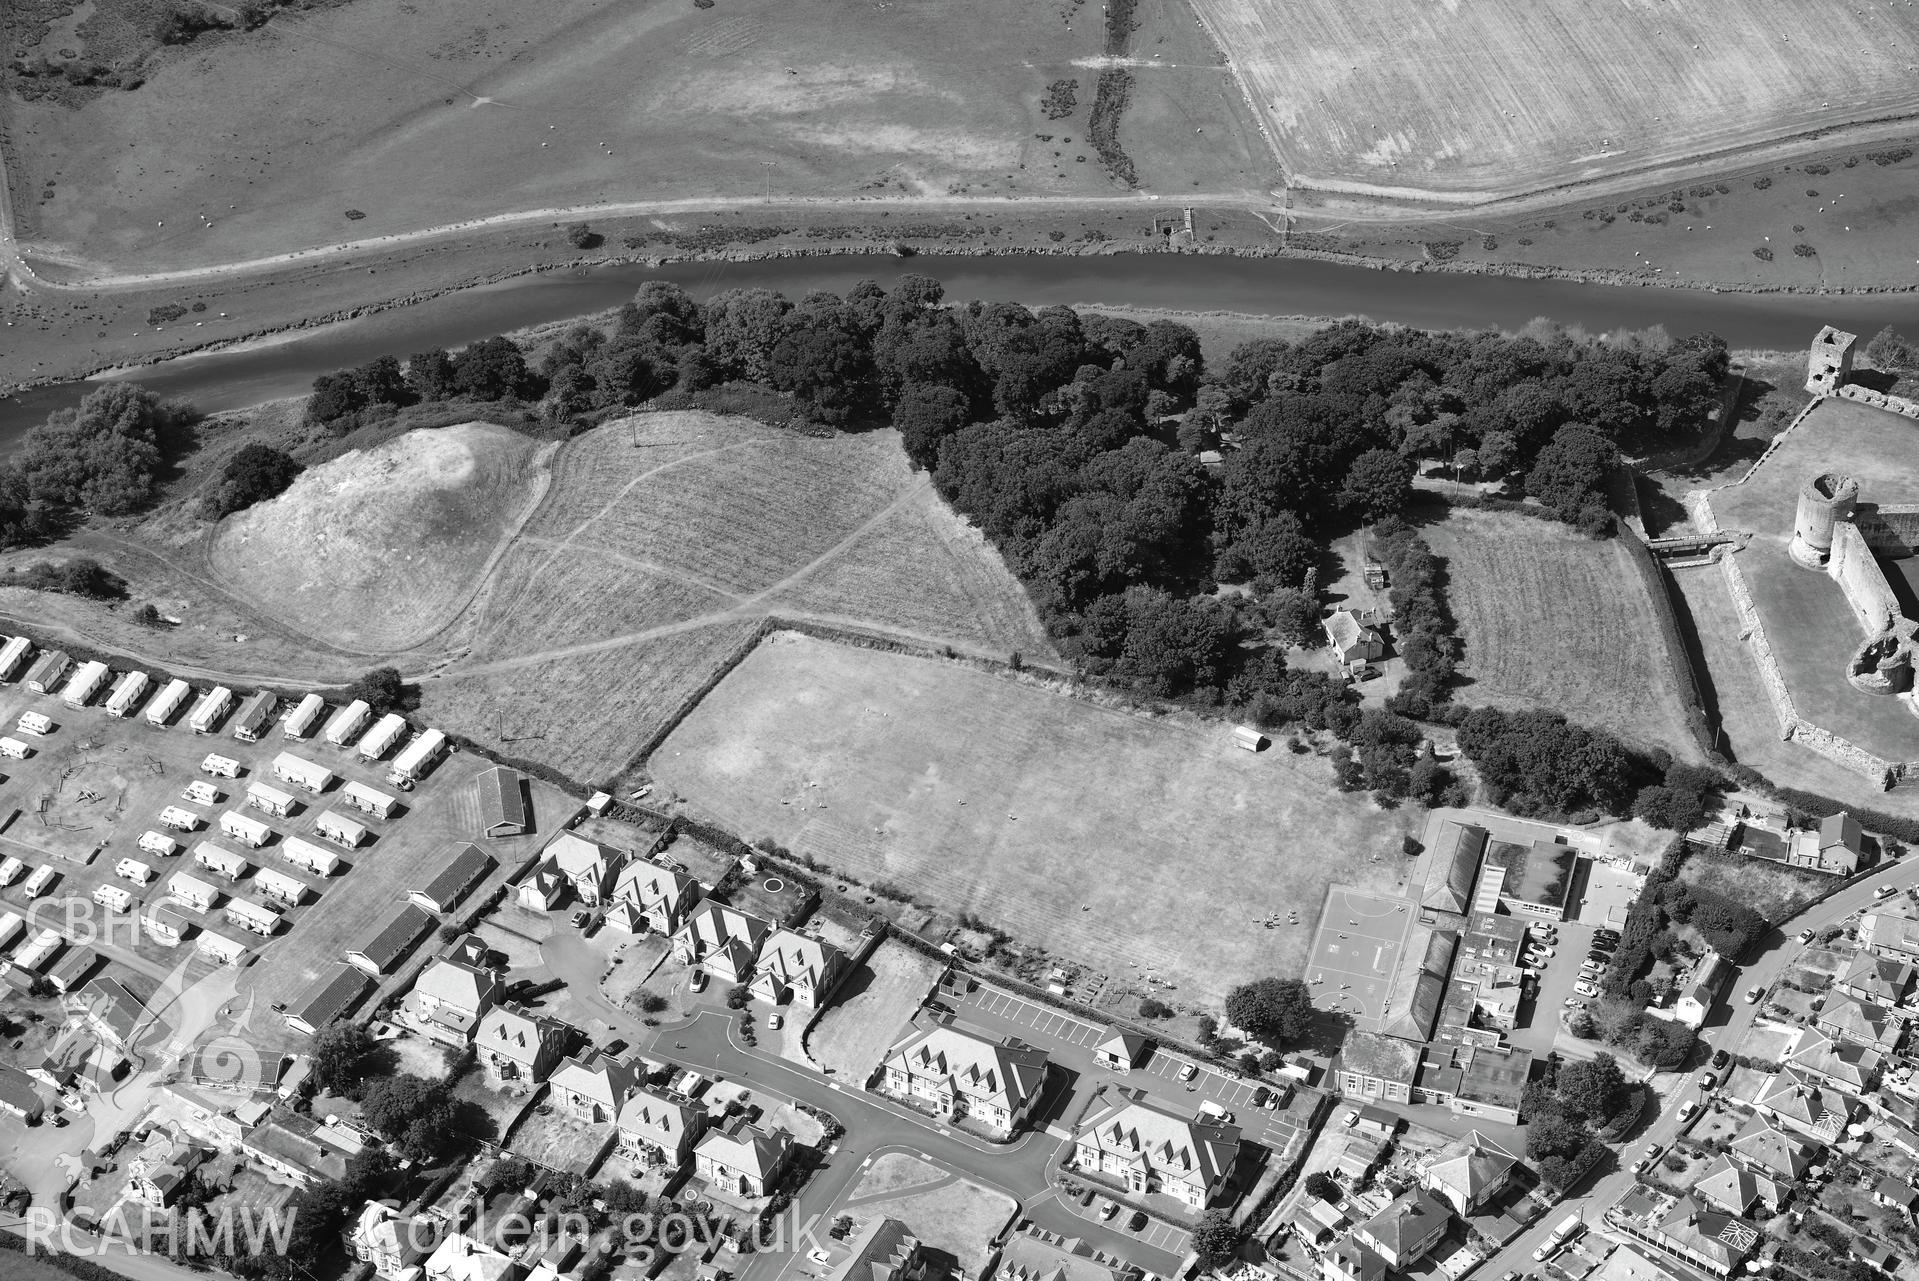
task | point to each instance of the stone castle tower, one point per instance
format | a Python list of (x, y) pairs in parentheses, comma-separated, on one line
[(1823, 501), (1829, 363)]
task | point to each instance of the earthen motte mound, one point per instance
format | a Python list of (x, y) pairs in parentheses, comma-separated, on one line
[(381, 548)]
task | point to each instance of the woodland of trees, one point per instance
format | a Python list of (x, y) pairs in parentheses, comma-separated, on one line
[(103, 458), (1074, 440)]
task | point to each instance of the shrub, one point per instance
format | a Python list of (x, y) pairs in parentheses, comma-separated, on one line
[(254, 473), (1804, 250), (737, 996), (354, 215), (581, 236), (165, 314), (1154, 1008), (1062, 96), (1763, 254), (1109, 104), (1761, 183)]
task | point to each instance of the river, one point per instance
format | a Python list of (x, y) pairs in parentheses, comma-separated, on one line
[(286, 365)]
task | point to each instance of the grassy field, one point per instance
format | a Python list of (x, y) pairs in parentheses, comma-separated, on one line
[(416, 116), (1553, 619), (379, 549), (1475, 100), (1083, 829), (1773, 891)]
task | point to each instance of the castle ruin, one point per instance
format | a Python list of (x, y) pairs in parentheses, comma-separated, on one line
[(1834, 533)]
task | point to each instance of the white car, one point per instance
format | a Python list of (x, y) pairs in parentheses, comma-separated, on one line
[(1188, 1071), (1573, 1002), (1688, 1110), (1585, 989)]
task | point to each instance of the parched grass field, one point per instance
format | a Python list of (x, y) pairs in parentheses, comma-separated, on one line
[(1773, 891), (1108, 837), (424, 115), (1473, 100), (663, 544), (379, 549), (1552, 619)]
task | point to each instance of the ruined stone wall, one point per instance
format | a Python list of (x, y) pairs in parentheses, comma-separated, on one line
[(1860, 578), (1878, 399), (1891, 531)]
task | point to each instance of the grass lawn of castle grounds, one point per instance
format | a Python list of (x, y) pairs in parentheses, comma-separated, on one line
[(1807, 621), (240, 146), (1112, 839), (1553, 619)]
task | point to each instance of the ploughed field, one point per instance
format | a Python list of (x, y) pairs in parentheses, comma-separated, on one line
[(1108, 837)]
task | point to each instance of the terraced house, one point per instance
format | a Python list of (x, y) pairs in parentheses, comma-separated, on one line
[(965, 1076), (1149, 1149)]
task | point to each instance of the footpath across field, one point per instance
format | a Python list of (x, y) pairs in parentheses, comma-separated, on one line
[(1124, 842)]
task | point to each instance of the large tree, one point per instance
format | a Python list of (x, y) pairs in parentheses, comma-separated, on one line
[(1594, 1089), (1272, 1009)]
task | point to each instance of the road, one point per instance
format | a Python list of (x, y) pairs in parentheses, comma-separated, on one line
[(1593, 1202)]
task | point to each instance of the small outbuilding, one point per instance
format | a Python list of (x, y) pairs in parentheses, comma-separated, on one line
[(1249, 738)]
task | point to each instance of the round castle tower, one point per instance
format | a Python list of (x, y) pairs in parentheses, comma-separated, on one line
[(1823, 501)]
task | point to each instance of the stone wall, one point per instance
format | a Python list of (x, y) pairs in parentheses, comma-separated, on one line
[(1891, 531), (1860, 578), (1879, 399)]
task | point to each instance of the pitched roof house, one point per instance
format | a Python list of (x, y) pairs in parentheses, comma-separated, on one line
[(724, 939), (963, 1074), (741, 1160), (1468, 1173), (1894, 937), (1772, 1152), (587, 865), (1877, 979), (1356, 637), (883, 1250), (543, 888), (1407, 1229), (661, 895), (593, 1085), (502, 802), (1847, 1018), (514, 1046), (1151, 1149), (449, 999), (795, 967), (393, 1244), (660, 1128), (1738, 1190), (1843, 1065), (1797, 1101)]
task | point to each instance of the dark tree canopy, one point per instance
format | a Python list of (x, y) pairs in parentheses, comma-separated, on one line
[(382, 690), (1272, 1009), (254, 473), (103, 457)]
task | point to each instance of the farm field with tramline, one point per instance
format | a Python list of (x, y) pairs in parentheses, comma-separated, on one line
[(1108, 837), (1468, 102), (1553, 619)]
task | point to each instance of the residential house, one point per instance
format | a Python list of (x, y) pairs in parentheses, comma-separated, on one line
[(1895, 1194), (1407, 1229), (658, 1127), (1844, 1065), (1372, 1066), (395, 1244), (1740, 1191), (1148, 1148), (963, 1074), (1874, 1254), (159, 1174), (1773, 1152), (1836, 846), (18, 1098), (882, 1250), (300, 1148), (543, 888), (113, 1011), (449, 999), (459, 1257), (594, 1085), (1686, 1228), (1351, 1260), (661, 895), (724, 939), (1121, 1052), (518, 1048), (741, 1160), (1799, 1102), (1469, 1174), (1034, 1256), (1703, 990), (1893, 937), (587, 865), (1356, 637), (798, 968), (1846, 1018), (1876, 979)]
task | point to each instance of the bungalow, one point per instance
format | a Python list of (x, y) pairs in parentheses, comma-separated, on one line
[(795, 967), (1407, 1229), (1843, 1065), (724, 939), (327, 1000), (455, 881), (1709, 1240), (449, 999), (502, 803), (964, 1075), (741, 1160), (1121, 1052), (661, 895), (1846, 1018), (587, 865), (1874, 1254), (1148, 1148), (1893, 937), (660, 1128), (1896, 1195), (1876, 979), (593, 1085), (543, 888), (1772, 1152), (396, 937), (1737, 1190), (1470, 1173), (1356, 638), (1797, 1101), (301, 1149), (517, 1047)]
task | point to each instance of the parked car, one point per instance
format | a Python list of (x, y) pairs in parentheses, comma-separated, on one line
[(1707, 1081), (1754, 992), (1108, 1210), (1188, 1071), (775, 1021), (580, 918), (1804, 936), (1687, 1111), (1549, 951), (1138, 1222), (1585, 989), (1720, 1058), (697, 980), (1573, 1002)]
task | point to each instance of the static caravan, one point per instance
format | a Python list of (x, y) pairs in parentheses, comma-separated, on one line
[(34, 955), (134, 870), (316, 859), (339, 830), (288, 889), (191, 890), (41, 881), (78, 966), (241, 828), (381, 738), (257, 917), (419, 756), (211, 708), (11, 870), (299, 721), (112, 897), (126, 693), (178, 819), (85, 683), (12, 926), (12, 654), (220, 766), (201, 792), (302, 773), (35, 723), (368, 800), (221, 860), (165, 923), (158, 845), (48, 671), (254, 716), (270, 800), (14, 748), (220, 949), (167, 702), (346, 722)]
